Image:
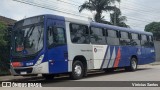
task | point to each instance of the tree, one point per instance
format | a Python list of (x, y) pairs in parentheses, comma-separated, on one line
[(99, 6), (3, 28), (154, 27), (4, 49), (117, 19)]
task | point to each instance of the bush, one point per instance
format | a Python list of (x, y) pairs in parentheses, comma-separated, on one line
[(4, 49)]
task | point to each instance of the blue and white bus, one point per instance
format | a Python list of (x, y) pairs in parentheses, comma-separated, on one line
[(50, 45)]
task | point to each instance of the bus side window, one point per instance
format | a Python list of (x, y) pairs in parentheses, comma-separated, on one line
[(135, 39), (50, 36), (60, 37), (97, 36), (56, 36), (79, 33), (150, 41), (112, 38), (144, 41), (124, 40)]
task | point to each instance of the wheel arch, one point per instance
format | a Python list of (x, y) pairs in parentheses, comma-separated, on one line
[(82, 59), (134, 56)]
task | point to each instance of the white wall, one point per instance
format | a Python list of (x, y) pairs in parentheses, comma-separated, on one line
[(157, 48)]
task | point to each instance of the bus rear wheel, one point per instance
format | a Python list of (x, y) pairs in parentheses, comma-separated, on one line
[(77, 70), (133, 65)]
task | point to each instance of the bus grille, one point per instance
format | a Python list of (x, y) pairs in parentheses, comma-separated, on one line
[(28, 70)]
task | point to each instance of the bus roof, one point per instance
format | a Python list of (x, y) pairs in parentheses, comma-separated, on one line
[(119, 28), (94, 24), (54, 17)]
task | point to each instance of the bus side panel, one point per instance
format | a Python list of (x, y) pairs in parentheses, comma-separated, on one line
[(74, 49), (125, 56), (59, 63), (100, 57), (151, 55), (115, 57), (57, 55), (142, 53), (148, 57)]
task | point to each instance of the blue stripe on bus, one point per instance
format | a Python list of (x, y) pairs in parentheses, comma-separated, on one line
[(111, 52), (104, 57)]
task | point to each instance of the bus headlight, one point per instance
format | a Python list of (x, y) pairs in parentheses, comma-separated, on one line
[(40, 60)]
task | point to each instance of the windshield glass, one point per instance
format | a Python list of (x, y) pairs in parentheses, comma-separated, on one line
[(27, 40)]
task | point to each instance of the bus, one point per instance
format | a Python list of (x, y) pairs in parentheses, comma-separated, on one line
[(51, 45)]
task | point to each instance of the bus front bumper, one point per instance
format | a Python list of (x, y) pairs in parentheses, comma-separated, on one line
[(42, 68)]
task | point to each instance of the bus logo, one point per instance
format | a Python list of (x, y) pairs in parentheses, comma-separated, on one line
[(95, 50)]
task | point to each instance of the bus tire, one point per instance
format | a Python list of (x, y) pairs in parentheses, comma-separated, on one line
[(48, 76), (77, 70), (133, 65)]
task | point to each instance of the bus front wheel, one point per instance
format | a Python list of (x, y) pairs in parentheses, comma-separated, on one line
[(133, 65), (77, 70)]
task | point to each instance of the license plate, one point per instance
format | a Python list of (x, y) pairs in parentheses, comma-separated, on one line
[(23, 73)]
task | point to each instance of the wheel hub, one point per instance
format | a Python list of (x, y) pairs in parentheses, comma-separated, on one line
[(134, 64), (78, 70)]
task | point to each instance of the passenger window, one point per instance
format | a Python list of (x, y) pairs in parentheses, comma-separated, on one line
[(79, 34), (144, 37), (135, 39), (56, 36), (124, 40), (134, 36), (144, 41), (124, 35), (112, 38), (60, 36), (50, 36), (97, 36), (150, 41), (112, 33), (151, 38)]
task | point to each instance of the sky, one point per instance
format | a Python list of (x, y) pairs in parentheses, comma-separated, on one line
[(138, 12)]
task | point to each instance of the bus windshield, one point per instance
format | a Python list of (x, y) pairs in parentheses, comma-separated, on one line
[(27, 40)]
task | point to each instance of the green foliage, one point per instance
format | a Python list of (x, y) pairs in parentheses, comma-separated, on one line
[(154, 27), (118, 19), (4, 49), (99, 6), (3, 32)]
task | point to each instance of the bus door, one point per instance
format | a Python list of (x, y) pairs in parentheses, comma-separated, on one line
[(57, 47)]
